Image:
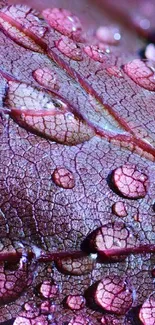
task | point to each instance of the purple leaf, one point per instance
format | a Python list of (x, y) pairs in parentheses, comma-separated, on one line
[(77, 172)]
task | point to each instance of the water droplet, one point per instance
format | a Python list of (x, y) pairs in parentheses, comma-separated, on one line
[(119, 208), (20, 24), (64, 22), (109, 35), (30, 316), (113, 295), (12, 286), (45, 114), (46, 78), (97, 52), (150, 52), (48, 289), (130, 182), (63, 178), (75, 265), (147, 311), (142, 72), (75, 302), (109, 237), (115, 71), (79, 320), (69, 48)]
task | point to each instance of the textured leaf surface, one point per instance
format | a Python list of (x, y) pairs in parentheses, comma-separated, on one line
[(77, 139)]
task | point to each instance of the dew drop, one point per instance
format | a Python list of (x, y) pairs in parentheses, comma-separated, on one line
[(142, 72), (97, 52), (114, 71), (109, 35), (75, 265), (147, 311), (79, 320), (63, 177), (46, 78), (20, 24), (119, 208), (30, 316), (64, 22), (75, 302), (45, 114), (150, 52), (113, 295), (48, 290), (130, 182), (68, 47), (47, 307), (108, 237)]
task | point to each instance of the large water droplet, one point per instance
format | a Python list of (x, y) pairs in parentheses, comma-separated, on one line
[(147, 311), (109, 35), (68, 47), (45, 114), (22, 25), (119, 208), (109, 237), (63, 178), (150, 52), (75, 302), (75, 265), (14, 281), (130, 182), (113, 295), (64, 22), (97, 52), (47, 78), (142, 72)]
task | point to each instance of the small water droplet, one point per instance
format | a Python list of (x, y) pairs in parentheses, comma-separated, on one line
[(75, 302), (113, 295), (109, 35), (147, 310), (63, 177), (130, 182), (69, 48), (48, 289), (97, 52), (79, 320), (115, 71), (64, 22), (142, 72), (119, 208), (150, 52), (46, 78)]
